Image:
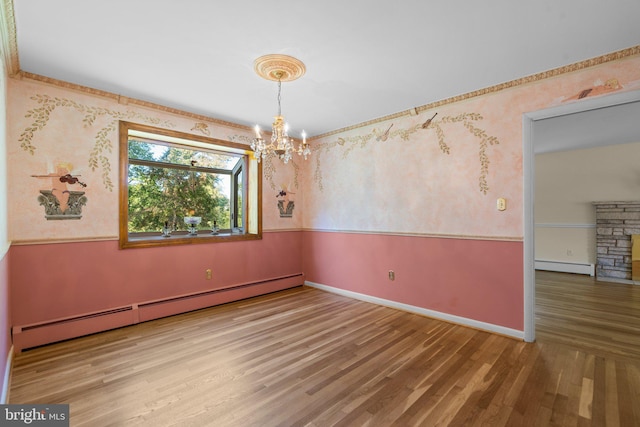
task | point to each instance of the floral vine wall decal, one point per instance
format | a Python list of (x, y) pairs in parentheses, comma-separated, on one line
[(269, 169), (102, 146), (466, 119)]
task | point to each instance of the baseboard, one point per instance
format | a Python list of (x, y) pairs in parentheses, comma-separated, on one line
[(566, 267), (54, 330), (6, 384), (463, 321)]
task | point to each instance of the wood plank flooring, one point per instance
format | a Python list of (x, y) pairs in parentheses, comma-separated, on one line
[(598, 317), (304, 357)]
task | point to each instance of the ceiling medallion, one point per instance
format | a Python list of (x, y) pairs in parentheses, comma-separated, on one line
[(280, 68)]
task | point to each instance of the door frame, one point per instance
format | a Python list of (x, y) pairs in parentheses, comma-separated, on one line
[(529, 121)]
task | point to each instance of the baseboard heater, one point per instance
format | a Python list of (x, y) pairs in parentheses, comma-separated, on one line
[(37, 334), (566, 267)]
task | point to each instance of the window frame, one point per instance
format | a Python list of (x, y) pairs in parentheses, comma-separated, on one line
[(238, 170), (252, 182)]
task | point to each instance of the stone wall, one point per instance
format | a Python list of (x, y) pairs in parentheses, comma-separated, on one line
[(615, 223)]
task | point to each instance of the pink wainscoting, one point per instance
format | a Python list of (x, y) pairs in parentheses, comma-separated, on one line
[(57, 281), (5, 319), (475, 279)]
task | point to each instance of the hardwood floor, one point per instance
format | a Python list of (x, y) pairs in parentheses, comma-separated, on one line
[(598, 317), (304, 357)]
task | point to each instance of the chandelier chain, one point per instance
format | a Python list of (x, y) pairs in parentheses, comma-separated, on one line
[(279, 97)]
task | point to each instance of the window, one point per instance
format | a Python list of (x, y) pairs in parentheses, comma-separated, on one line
[(167, 176)]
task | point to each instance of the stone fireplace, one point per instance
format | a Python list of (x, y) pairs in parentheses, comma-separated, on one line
[(616, 222)]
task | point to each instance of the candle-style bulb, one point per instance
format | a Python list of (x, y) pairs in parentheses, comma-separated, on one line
[(257, 128)]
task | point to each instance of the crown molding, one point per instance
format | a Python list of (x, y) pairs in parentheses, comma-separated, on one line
[(614, 56), (24, 75), (8, 37)]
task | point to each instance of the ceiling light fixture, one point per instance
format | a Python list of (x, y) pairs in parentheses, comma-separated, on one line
[(280, 68)]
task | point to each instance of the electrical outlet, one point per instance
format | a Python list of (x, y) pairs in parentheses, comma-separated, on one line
[(392, 275), (208, 272)]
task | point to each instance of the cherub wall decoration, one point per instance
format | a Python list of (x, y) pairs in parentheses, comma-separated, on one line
[(60, 200), (285, 204)]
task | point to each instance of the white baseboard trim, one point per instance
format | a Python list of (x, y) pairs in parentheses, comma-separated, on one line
[(489, 327), (566, 267), (4, 397)]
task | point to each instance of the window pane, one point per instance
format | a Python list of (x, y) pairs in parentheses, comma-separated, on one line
[(146, 150), (159, 194), (239, 191)]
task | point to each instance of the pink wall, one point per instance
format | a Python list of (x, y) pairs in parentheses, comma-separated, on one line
[(52, 281), (474, 279)]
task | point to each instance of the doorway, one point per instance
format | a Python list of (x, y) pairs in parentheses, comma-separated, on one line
[(611, 119)]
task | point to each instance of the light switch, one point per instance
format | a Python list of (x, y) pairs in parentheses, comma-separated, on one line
[(502, 204)]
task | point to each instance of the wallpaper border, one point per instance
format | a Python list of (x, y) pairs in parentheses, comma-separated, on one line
[(123, 100), (588, 63)]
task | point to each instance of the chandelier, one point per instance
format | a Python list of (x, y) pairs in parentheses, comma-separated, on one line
[(279, 68)]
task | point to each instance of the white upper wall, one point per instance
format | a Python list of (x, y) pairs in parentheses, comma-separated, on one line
[(567, 183)]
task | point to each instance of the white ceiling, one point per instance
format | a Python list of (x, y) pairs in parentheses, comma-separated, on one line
[(365, 58)]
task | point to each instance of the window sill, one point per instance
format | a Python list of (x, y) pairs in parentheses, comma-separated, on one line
[(141, 240)]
